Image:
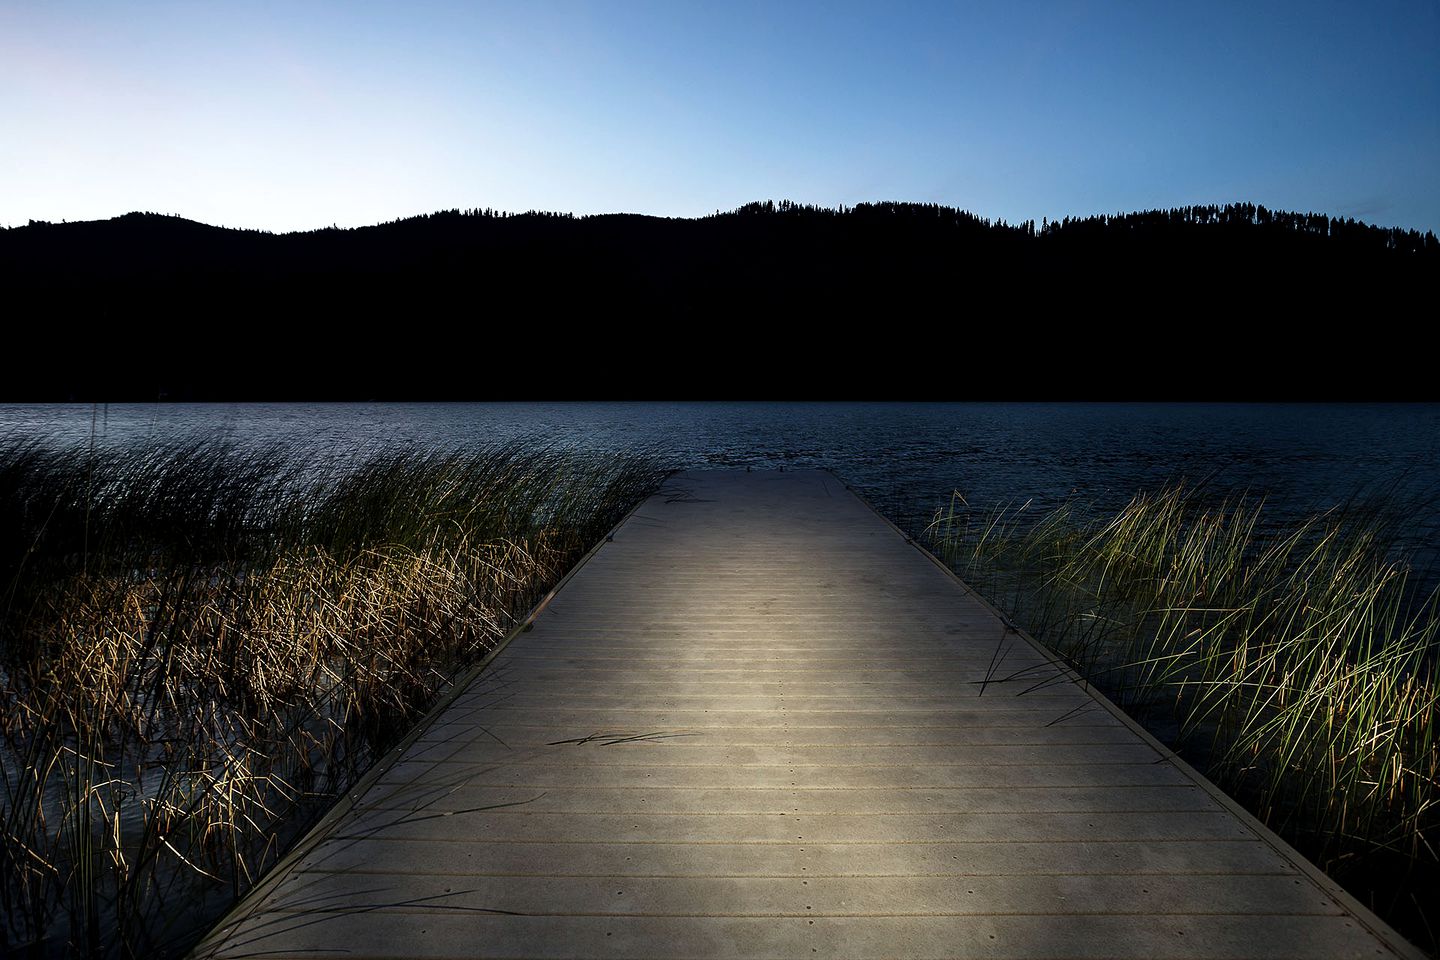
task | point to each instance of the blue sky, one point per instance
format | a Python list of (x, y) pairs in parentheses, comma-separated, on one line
[(302, 114)]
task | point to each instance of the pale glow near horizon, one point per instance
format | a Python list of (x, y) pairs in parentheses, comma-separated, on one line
[(294, 116)]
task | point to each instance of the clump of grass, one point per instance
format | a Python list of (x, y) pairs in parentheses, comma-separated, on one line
[(201, 646), (1294, 667)]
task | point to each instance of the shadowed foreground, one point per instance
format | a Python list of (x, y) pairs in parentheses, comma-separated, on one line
[(760, 724)]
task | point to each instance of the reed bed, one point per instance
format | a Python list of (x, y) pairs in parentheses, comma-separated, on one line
[(1296, 668), (202, 646)]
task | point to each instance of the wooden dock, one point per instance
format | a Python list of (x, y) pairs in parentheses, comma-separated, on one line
[(759, 723)]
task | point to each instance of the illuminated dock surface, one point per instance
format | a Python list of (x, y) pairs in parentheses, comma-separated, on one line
[(758, 724)]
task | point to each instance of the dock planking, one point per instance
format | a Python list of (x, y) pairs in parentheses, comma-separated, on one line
[(759, 723)]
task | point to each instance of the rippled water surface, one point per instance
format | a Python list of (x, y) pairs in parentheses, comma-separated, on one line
[(906, 457)]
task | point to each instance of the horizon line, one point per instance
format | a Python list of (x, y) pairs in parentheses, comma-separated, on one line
[(840, 209)]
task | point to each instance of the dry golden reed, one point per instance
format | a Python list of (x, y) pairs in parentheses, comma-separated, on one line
[(202, 645)]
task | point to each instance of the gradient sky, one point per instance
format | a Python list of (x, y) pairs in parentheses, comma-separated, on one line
[(297, 114)]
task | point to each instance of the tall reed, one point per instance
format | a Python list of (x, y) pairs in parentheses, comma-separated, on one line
[(201, 646), (1295, 667)]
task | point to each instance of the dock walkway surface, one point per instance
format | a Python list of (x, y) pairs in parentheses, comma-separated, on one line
[(760, 723)]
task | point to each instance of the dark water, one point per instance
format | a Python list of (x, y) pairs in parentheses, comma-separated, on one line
[(906, 457)]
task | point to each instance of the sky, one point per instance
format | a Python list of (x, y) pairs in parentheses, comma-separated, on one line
[(302, 114)]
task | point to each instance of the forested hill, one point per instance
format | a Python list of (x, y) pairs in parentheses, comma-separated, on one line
[(435, 305)]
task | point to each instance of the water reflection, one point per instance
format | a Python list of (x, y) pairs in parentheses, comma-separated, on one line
[(905, 457)]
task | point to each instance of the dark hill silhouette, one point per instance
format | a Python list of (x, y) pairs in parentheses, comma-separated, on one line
[(774, 299)]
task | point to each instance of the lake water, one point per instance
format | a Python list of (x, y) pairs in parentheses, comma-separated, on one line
[(906, 457)]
